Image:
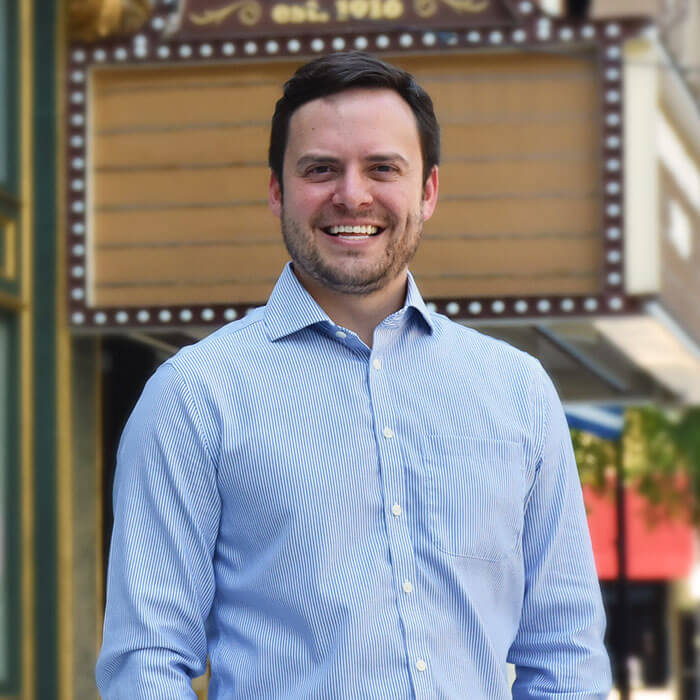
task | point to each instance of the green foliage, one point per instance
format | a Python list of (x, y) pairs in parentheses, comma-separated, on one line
[(596, 459), (661, 459)]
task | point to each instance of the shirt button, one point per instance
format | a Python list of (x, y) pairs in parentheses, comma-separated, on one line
[(407, 587), (388, 432), (377, 364), (421, 665), (396, 510), (341, 334)]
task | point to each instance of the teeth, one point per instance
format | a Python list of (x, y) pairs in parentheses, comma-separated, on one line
[(367, 230)]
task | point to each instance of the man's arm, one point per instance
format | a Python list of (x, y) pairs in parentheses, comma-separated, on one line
[(558, 650), (160, 584)]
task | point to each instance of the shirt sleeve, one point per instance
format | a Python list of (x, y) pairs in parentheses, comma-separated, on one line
[(160, 583), (558, 650)]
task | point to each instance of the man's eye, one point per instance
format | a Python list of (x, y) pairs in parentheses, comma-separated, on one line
[(384, 168), (319, 170)]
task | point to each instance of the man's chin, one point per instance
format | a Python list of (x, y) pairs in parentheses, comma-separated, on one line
[(357, 285)]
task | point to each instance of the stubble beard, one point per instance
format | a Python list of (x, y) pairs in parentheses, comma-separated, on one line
[(349, 278)]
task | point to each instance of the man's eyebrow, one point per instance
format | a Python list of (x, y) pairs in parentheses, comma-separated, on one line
[(386, 157), (311, 158)]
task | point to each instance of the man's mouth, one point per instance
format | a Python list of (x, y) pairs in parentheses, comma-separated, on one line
[(364, 231)]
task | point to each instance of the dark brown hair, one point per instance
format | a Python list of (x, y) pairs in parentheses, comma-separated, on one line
[(337, 72)]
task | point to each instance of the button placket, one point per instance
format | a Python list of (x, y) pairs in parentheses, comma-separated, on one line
[(392, 469)]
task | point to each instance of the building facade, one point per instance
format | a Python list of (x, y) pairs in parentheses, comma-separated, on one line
[(133, 220)]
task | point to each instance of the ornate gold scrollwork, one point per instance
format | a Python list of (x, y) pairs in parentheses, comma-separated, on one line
[(249, 13), (427, 8), (89, 20)]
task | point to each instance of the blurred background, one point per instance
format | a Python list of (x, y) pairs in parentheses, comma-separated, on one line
[(133, 221)]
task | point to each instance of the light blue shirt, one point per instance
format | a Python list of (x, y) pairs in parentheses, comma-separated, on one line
[(326, 520)]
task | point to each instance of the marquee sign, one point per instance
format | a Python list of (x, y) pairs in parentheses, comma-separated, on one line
[(200, 19), (113, 227)]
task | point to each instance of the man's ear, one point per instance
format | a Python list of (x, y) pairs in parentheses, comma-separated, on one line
[(275, 195), (430, 193)]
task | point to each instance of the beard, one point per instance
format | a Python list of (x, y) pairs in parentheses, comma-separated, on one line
[(353, 274)]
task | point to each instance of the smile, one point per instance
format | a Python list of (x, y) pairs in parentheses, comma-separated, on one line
[(352, 231)]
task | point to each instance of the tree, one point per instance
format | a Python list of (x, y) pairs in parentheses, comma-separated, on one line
[(661, 460)]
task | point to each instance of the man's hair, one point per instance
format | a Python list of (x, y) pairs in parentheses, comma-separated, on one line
[(329, 75)]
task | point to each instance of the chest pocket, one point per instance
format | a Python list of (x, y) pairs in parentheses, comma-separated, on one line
[(475, 491)]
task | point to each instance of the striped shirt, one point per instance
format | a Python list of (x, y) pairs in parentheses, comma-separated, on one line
[(326, 520)]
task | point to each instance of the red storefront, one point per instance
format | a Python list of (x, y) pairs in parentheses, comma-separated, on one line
[(658, 548)]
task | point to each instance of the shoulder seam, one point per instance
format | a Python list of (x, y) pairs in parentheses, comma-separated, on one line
[(214, 337), (243, 327)]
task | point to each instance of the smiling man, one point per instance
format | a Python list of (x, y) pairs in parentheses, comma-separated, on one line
[(344, 495)]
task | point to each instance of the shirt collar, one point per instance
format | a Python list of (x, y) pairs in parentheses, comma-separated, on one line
[(291, 308), (415, 300)]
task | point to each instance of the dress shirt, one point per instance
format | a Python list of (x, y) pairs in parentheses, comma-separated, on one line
[(327, 520)]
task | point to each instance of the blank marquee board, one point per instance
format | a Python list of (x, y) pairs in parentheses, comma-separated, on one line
[(168, 217)]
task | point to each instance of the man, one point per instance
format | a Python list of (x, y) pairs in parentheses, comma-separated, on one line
[(344, 495)]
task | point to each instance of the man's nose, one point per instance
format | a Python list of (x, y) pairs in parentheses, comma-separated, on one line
[(353, 190)]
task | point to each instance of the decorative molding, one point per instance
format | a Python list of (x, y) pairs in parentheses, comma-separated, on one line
[(427, 8), (214, 19), (93, 20), (248, 12), (8, 265), (27, 345)]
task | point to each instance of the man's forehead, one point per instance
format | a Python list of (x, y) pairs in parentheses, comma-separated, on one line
[(378, 111), (358, 95)]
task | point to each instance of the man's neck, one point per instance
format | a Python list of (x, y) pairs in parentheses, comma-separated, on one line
[(360, 313)]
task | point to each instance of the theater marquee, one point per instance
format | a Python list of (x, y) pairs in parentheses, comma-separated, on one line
[(207, 19), (167, 217)]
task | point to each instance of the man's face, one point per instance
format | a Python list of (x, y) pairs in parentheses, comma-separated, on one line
[(354, 198)]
